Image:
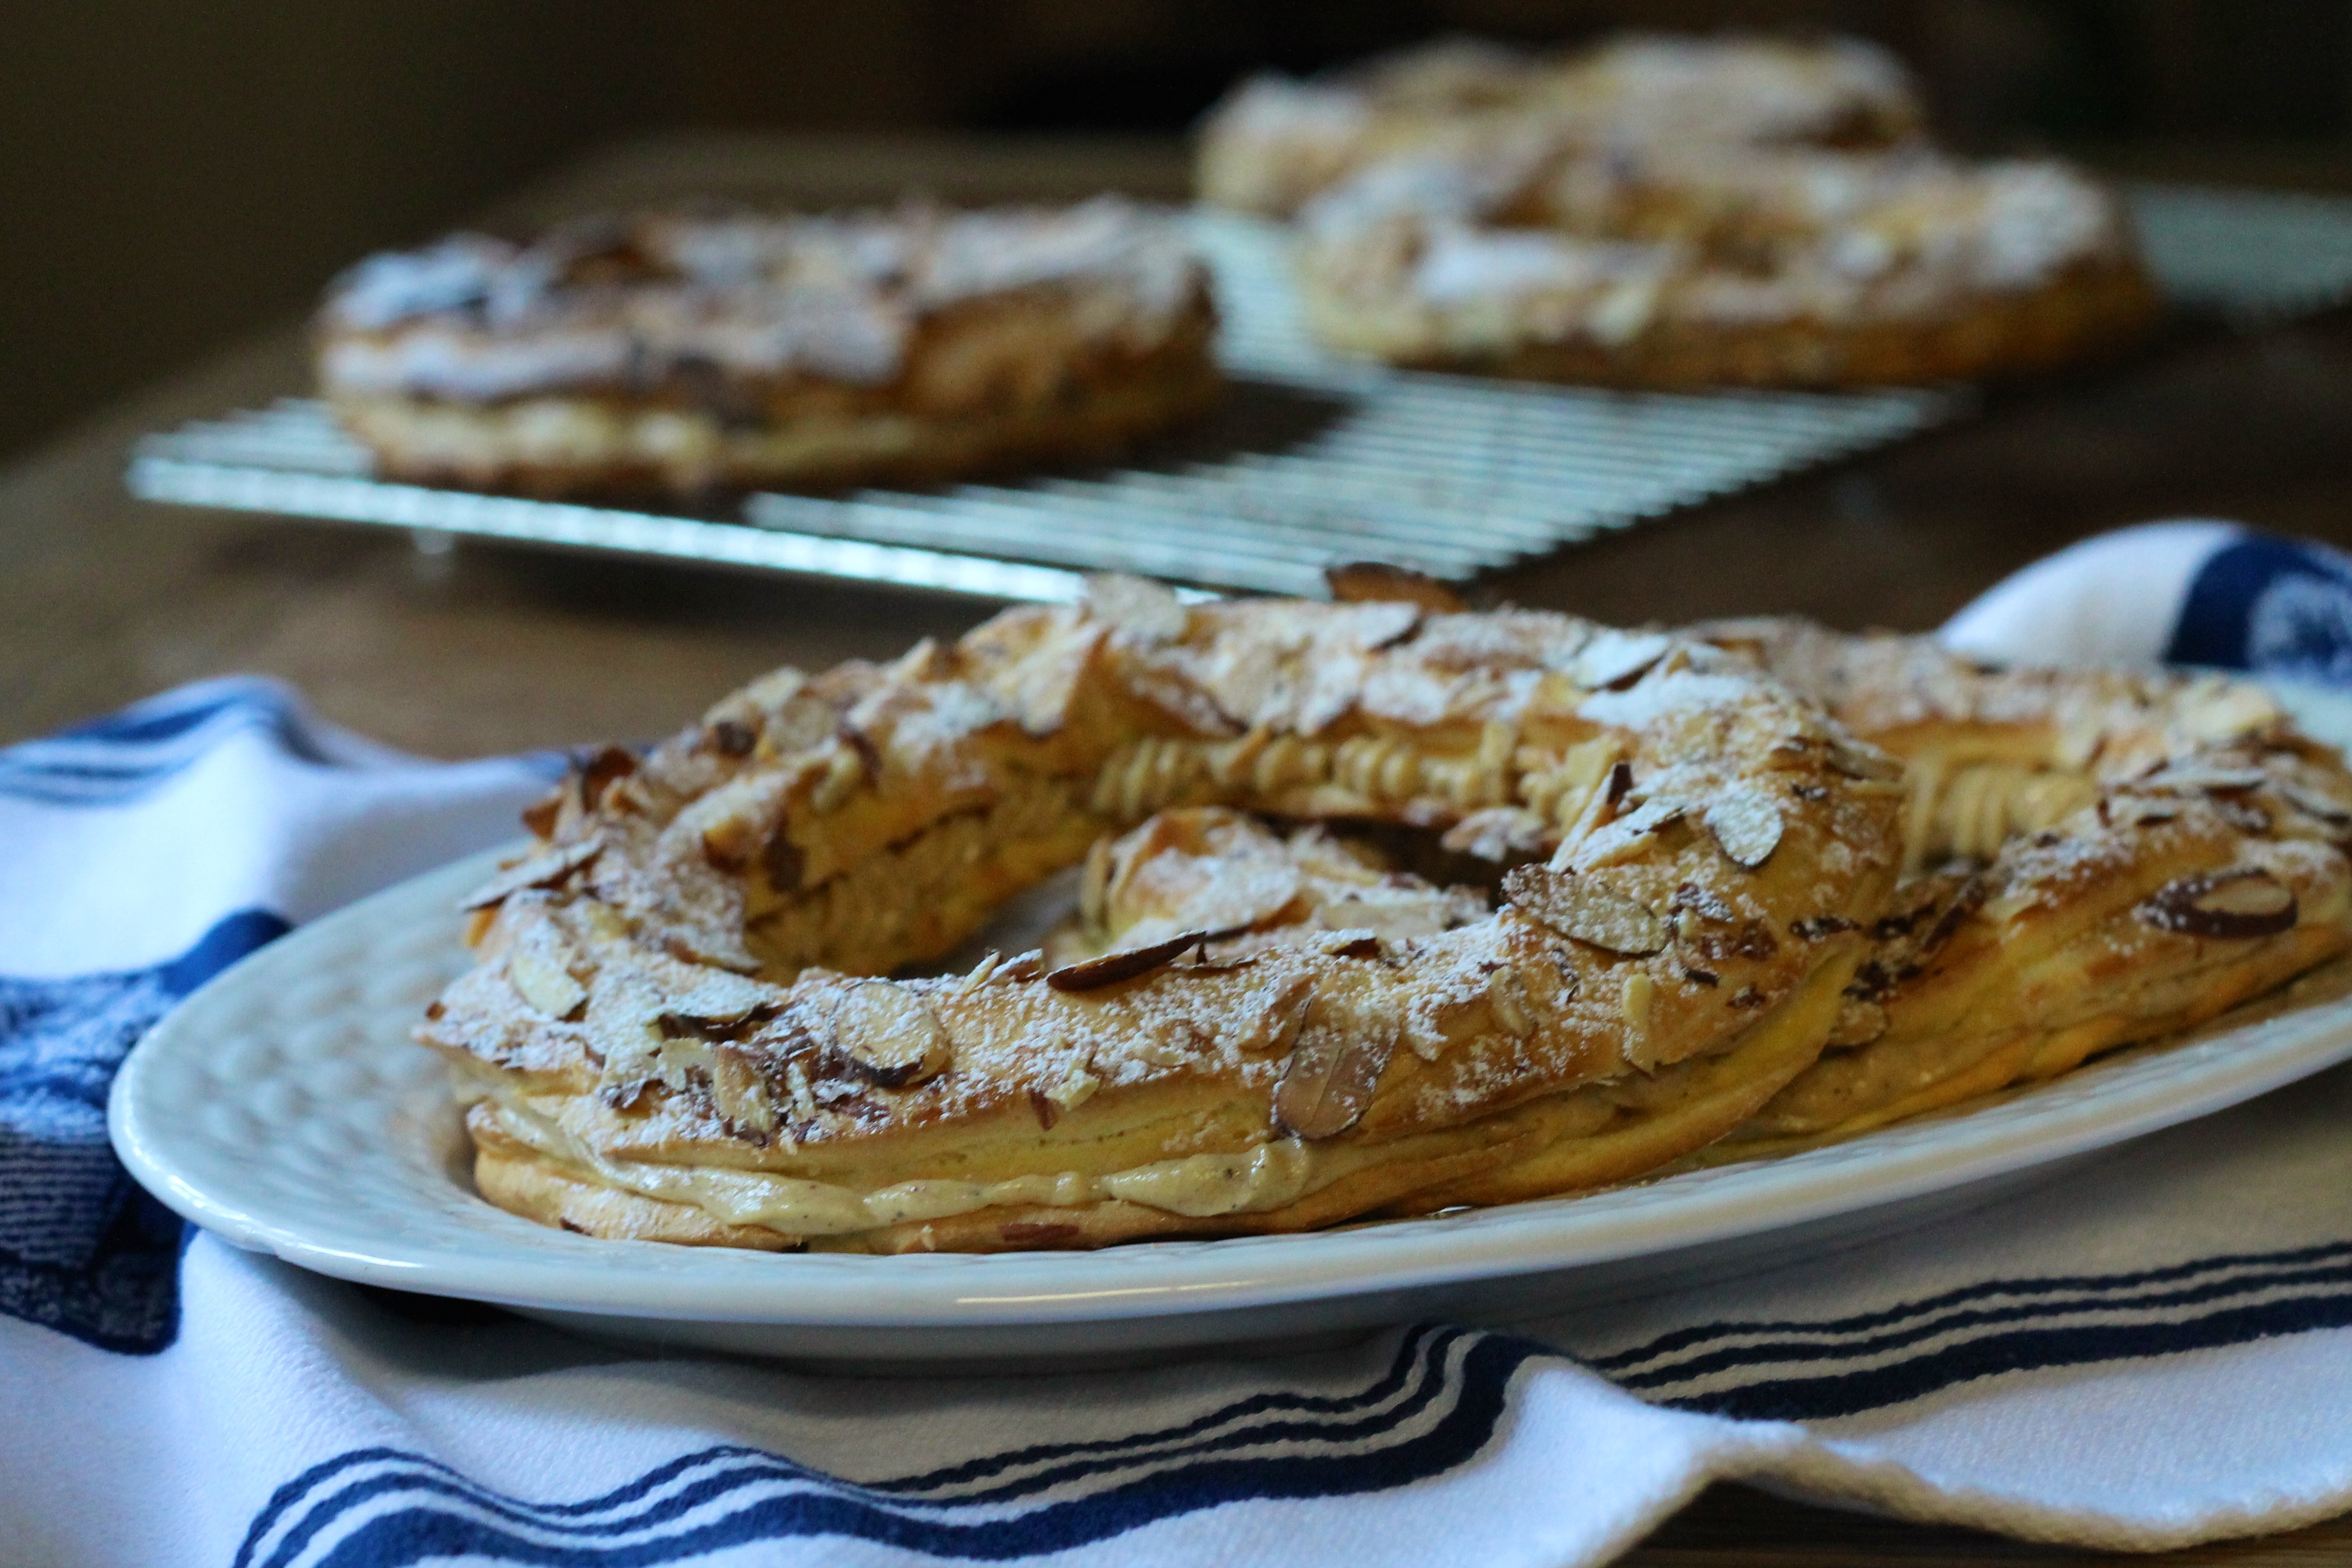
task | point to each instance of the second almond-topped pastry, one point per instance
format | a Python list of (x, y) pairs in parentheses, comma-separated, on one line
[(685, 1023), (687, 352)]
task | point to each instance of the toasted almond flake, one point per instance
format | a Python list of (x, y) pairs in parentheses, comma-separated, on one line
[(886, 1033), (2231, 905), (544, 984), (1857, 760), (1634, 1007), (1746, 824), (1616, 658), (1500, 833), (719, 997), (2132, 810), (1137, 605), (1628, 836), (1329, 1083), (1124, 964), (1585, 907), (1276, 1025), (543, 870), (1077, 1086), (739, 1093), (1094, 883), (1507, 995), (2311, 804), (2191, 778)]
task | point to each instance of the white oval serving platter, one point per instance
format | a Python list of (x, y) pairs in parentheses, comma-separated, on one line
[(283, 1107)]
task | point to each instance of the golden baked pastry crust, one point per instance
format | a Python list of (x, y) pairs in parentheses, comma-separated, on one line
[(1684, 268), (671, 355), (678, 1001), (2093, 858), (1275, 141)]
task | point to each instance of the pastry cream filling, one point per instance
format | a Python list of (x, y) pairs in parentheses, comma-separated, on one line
[(1267, 1177)]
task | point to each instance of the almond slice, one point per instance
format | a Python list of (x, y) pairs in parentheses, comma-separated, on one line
[(1125, 965), (723, 998), (1617, 658), (543, 870), (2191, 778), (545, 985), (1586, 909), (1746, 824), (888, 1036), (2231, 905), (1328, 1085)]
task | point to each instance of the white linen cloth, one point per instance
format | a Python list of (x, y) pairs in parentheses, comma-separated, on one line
[(2149, 1350)]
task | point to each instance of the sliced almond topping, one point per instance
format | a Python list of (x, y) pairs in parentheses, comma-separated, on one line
[(2311, 804), (1702, 901), (2230, 905), (1501, 833), (888, 1036), (1329, 1083), (1506, 998), (740, 1094), (1137, 605), (1094, 884), (2131, 810), (539, 871), (2192, 778), (723, 998), (1076, 1087), (1633, 1006), (1627, 838), (1588, 908), (1617, 658), (1857, 761), (1125, 965), (1276, 1027), (544, 984), (1746, 824)]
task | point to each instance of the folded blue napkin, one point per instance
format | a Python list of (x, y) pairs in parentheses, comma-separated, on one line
[(2152, 1349)]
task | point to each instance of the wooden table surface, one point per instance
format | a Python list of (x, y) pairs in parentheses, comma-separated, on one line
[(106, 599)]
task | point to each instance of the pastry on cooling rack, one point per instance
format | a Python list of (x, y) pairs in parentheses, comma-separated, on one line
[(677, 353), (1277, 140), (2092, 859), (1680, 266), (683, 1025)]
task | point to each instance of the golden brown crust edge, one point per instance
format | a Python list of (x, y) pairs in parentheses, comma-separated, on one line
[(627, 451), (2096, 311)]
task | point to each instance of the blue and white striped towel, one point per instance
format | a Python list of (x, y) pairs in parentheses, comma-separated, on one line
[(2158, 1351)]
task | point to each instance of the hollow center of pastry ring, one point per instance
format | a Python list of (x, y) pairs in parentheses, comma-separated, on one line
[(1697, 851)]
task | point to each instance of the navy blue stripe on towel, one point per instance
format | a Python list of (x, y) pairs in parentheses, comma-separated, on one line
[(124, 756), (1437, 1405), (83, 1250), (1796, 1371)]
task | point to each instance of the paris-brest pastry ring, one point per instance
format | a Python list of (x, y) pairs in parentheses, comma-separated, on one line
[(1275, 141), (679, 1028), (2092, 859), (689, 352), (1683, 265)]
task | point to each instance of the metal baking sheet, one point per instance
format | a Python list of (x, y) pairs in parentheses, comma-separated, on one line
[(1315, 461)]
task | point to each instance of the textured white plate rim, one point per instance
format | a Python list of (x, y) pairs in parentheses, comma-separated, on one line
[(535, 1267)]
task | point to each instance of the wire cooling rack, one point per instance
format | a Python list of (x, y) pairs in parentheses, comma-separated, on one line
[(1313, 461)]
